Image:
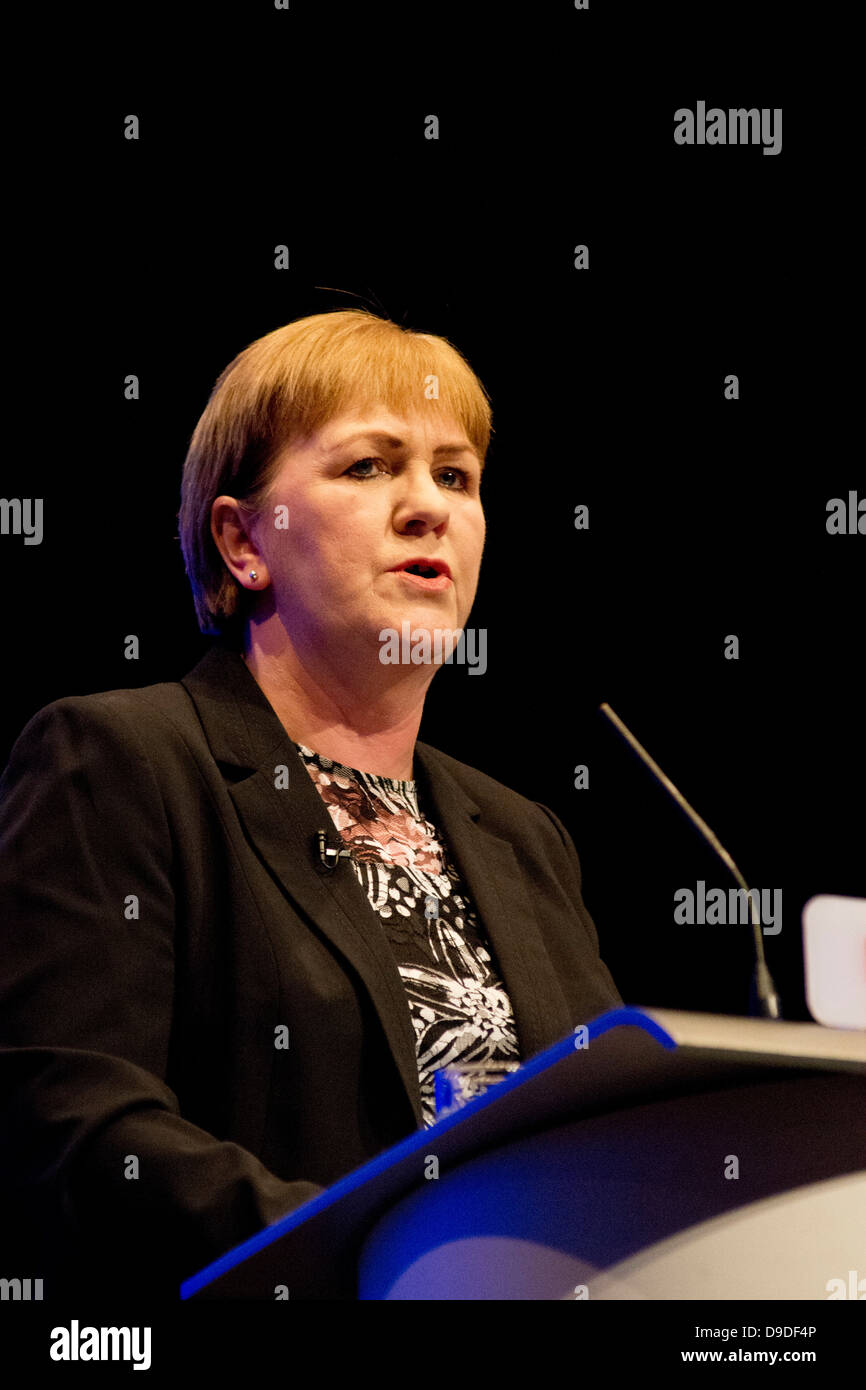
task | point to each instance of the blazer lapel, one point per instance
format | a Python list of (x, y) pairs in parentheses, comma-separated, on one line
[(498, 886), (250, 743)]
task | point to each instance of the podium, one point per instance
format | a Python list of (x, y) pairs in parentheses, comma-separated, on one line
[(655, 1154)]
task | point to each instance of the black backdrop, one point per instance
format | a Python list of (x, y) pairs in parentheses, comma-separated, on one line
[(707, 516)]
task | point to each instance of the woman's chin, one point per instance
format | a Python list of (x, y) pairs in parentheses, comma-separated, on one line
[(416, 636)]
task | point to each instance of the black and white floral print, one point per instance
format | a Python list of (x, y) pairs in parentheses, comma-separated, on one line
[(460, 1009)]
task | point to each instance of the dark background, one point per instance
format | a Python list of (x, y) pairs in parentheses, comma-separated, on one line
[(707, 516)]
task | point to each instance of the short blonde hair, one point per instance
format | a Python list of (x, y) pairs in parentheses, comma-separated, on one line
[(282, 388)]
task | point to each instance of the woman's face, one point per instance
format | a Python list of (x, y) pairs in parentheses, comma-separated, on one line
[(369, 491)]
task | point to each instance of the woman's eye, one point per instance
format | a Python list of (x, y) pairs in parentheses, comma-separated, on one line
[(359, 463), (457, 473)]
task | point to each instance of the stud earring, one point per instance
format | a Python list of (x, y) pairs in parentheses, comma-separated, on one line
[(253, 574)]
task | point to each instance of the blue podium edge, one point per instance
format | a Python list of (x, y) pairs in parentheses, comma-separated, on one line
[(420, 1139)]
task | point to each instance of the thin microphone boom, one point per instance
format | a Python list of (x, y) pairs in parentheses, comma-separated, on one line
[(765, 989)]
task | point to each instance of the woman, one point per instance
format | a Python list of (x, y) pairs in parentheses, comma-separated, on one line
[(248, 914)]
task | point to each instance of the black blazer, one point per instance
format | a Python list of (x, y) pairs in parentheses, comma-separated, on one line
[(164, 913)]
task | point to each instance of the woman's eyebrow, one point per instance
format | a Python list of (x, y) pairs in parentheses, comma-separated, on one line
[(391, 441)]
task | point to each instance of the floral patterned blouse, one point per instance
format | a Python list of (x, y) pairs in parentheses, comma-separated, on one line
[(458, 1004)]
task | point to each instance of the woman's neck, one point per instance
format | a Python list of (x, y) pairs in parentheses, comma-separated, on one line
[(372, 729)]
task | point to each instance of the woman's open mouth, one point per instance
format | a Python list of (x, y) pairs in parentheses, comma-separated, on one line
[(432, 575), (424, 578)]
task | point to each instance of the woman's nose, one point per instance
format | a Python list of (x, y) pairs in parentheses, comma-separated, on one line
[(420, 492)]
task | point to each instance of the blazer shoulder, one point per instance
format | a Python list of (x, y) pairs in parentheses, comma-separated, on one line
[(146, 716), (493, 797)]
